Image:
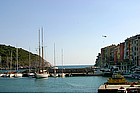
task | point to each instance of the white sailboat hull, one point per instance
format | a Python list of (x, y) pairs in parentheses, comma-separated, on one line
[(55, 75), (41, 75), (31, 75), (18, 75), (11, 75), (62, 75)]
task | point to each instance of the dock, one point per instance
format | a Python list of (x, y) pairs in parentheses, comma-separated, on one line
[(117, 88)]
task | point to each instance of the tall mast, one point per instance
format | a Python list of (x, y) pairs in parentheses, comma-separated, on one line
[(54, 62), (29, 60), (42, 52), (54, 55), (11, 62), (0, 62), (17, 59), (39, 50), (62, 60)]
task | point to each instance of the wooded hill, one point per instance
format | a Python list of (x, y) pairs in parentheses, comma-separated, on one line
[(8, 56)]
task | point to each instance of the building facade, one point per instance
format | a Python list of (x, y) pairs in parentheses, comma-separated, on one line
[(125, 55)]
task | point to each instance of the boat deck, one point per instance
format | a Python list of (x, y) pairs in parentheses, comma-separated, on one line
[(114, 88)]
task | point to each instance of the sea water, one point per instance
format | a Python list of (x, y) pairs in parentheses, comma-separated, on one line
[(80, 84), (83, 84)]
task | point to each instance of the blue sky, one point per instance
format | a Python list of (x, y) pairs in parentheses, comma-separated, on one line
[(76, 26)]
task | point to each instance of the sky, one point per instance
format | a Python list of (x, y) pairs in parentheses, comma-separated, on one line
[(76, 26)]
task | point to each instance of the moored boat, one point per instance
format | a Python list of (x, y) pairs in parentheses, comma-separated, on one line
[(62, 75), (41, 72), (31, 74), (106, 72), (10, 75), (116, 79), (41, 75), (18, 75)]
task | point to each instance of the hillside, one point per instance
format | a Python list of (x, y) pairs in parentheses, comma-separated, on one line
[(23, 57)]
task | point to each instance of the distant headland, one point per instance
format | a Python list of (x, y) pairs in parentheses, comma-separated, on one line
[(8, 57)]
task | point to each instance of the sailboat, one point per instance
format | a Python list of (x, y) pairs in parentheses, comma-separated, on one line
[(62, 74), (54, 67), (17, 74), (41, 73), (30, 74), (10, 73)]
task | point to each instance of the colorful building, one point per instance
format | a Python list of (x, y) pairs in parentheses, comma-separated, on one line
[(125, 55)]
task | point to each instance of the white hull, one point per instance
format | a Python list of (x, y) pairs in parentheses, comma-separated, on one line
[(3, 75), (18, 75), (41, 75), (55, 75), (62, 75), (31, 75), (11, 75)]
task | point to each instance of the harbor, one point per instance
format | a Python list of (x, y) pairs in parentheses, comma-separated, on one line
[(81, 83)]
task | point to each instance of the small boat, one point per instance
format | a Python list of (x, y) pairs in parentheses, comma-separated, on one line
[(62, 75), (128, 75), (18, 75), (116, 79), (54, 74), (41, 75), (106, 72), (133, 90), (3, 75), (31, 74), (10, 75)]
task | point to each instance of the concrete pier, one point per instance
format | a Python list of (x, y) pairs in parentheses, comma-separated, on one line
[(116, 88)]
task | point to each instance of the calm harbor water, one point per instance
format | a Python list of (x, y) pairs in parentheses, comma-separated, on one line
[(85, 84)]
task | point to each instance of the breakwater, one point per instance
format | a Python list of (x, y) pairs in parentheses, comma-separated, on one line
[(74, 71)]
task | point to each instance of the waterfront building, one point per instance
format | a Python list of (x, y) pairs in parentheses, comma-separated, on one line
[(125, 55), (132, 51), (107, 56), (128, 53), (136, 50), (119, 56)]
